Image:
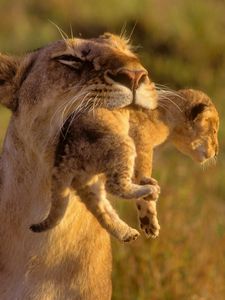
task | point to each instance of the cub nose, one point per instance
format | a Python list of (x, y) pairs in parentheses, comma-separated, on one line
[(129, 78)]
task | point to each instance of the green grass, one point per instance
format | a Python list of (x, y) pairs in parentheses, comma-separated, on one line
[(187, 260), (4, 117)]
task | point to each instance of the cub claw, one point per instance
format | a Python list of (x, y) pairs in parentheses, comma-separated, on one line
[(155, 188)]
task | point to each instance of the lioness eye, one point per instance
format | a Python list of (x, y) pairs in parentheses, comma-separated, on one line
[(69, 58), (2, 81)]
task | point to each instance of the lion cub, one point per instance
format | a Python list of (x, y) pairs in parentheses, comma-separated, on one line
[(97, 143), (189, 120)]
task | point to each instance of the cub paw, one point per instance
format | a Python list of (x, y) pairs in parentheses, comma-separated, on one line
[(150, 226), (155, 188), (148, 220), (148, 180), (138, 191), (130, 236), (146, 191)]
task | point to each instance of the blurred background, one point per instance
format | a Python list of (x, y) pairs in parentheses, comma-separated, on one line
[(182, 43)]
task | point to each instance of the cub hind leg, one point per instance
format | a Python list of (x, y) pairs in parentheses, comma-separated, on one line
[(59, 202), (147, 211), (94, 197), (147, 214)]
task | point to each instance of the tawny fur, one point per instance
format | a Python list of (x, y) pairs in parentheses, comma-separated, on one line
[(97, 143), (43, 89), (101, 143), (189, 120)]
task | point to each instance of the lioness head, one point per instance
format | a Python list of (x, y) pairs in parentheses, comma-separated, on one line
[(75, 75), (196, 135)]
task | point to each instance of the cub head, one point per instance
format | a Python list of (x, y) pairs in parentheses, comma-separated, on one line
[(72, 76), (196, 135)]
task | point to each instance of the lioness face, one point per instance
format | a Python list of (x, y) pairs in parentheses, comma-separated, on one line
[(76, 75)]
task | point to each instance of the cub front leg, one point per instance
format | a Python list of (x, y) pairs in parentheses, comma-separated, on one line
[(147, 211), (153, 182)]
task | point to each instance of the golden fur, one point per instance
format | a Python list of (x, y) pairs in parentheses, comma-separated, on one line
[(100, 142), (189, 120), (43, 89)]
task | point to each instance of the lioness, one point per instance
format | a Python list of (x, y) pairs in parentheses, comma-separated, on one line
[(42, 89)]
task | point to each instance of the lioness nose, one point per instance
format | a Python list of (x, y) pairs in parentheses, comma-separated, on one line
[(129, 78)]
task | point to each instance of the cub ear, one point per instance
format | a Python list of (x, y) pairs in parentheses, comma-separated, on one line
[(8, 70), (195, 110)]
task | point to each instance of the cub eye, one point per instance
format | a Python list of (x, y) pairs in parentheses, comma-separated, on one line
[(2, 81), (196, 110), (70, 60)]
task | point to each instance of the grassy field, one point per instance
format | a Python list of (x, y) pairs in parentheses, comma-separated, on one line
[(182, 44), (187, 260), (4, 117)]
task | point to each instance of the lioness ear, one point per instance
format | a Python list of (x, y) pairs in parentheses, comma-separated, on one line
[(196, 110), (8, 69)]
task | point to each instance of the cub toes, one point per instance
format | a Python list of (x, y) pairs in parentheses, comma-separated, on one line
[(148, 221), (130, 236), (150, 226), (140, 191), (154, 194), (155, 188), (132, 191), (148, 180)]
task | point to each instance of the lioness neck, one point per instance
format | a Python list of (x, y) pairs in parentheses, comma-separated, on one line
[(77, 252)]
